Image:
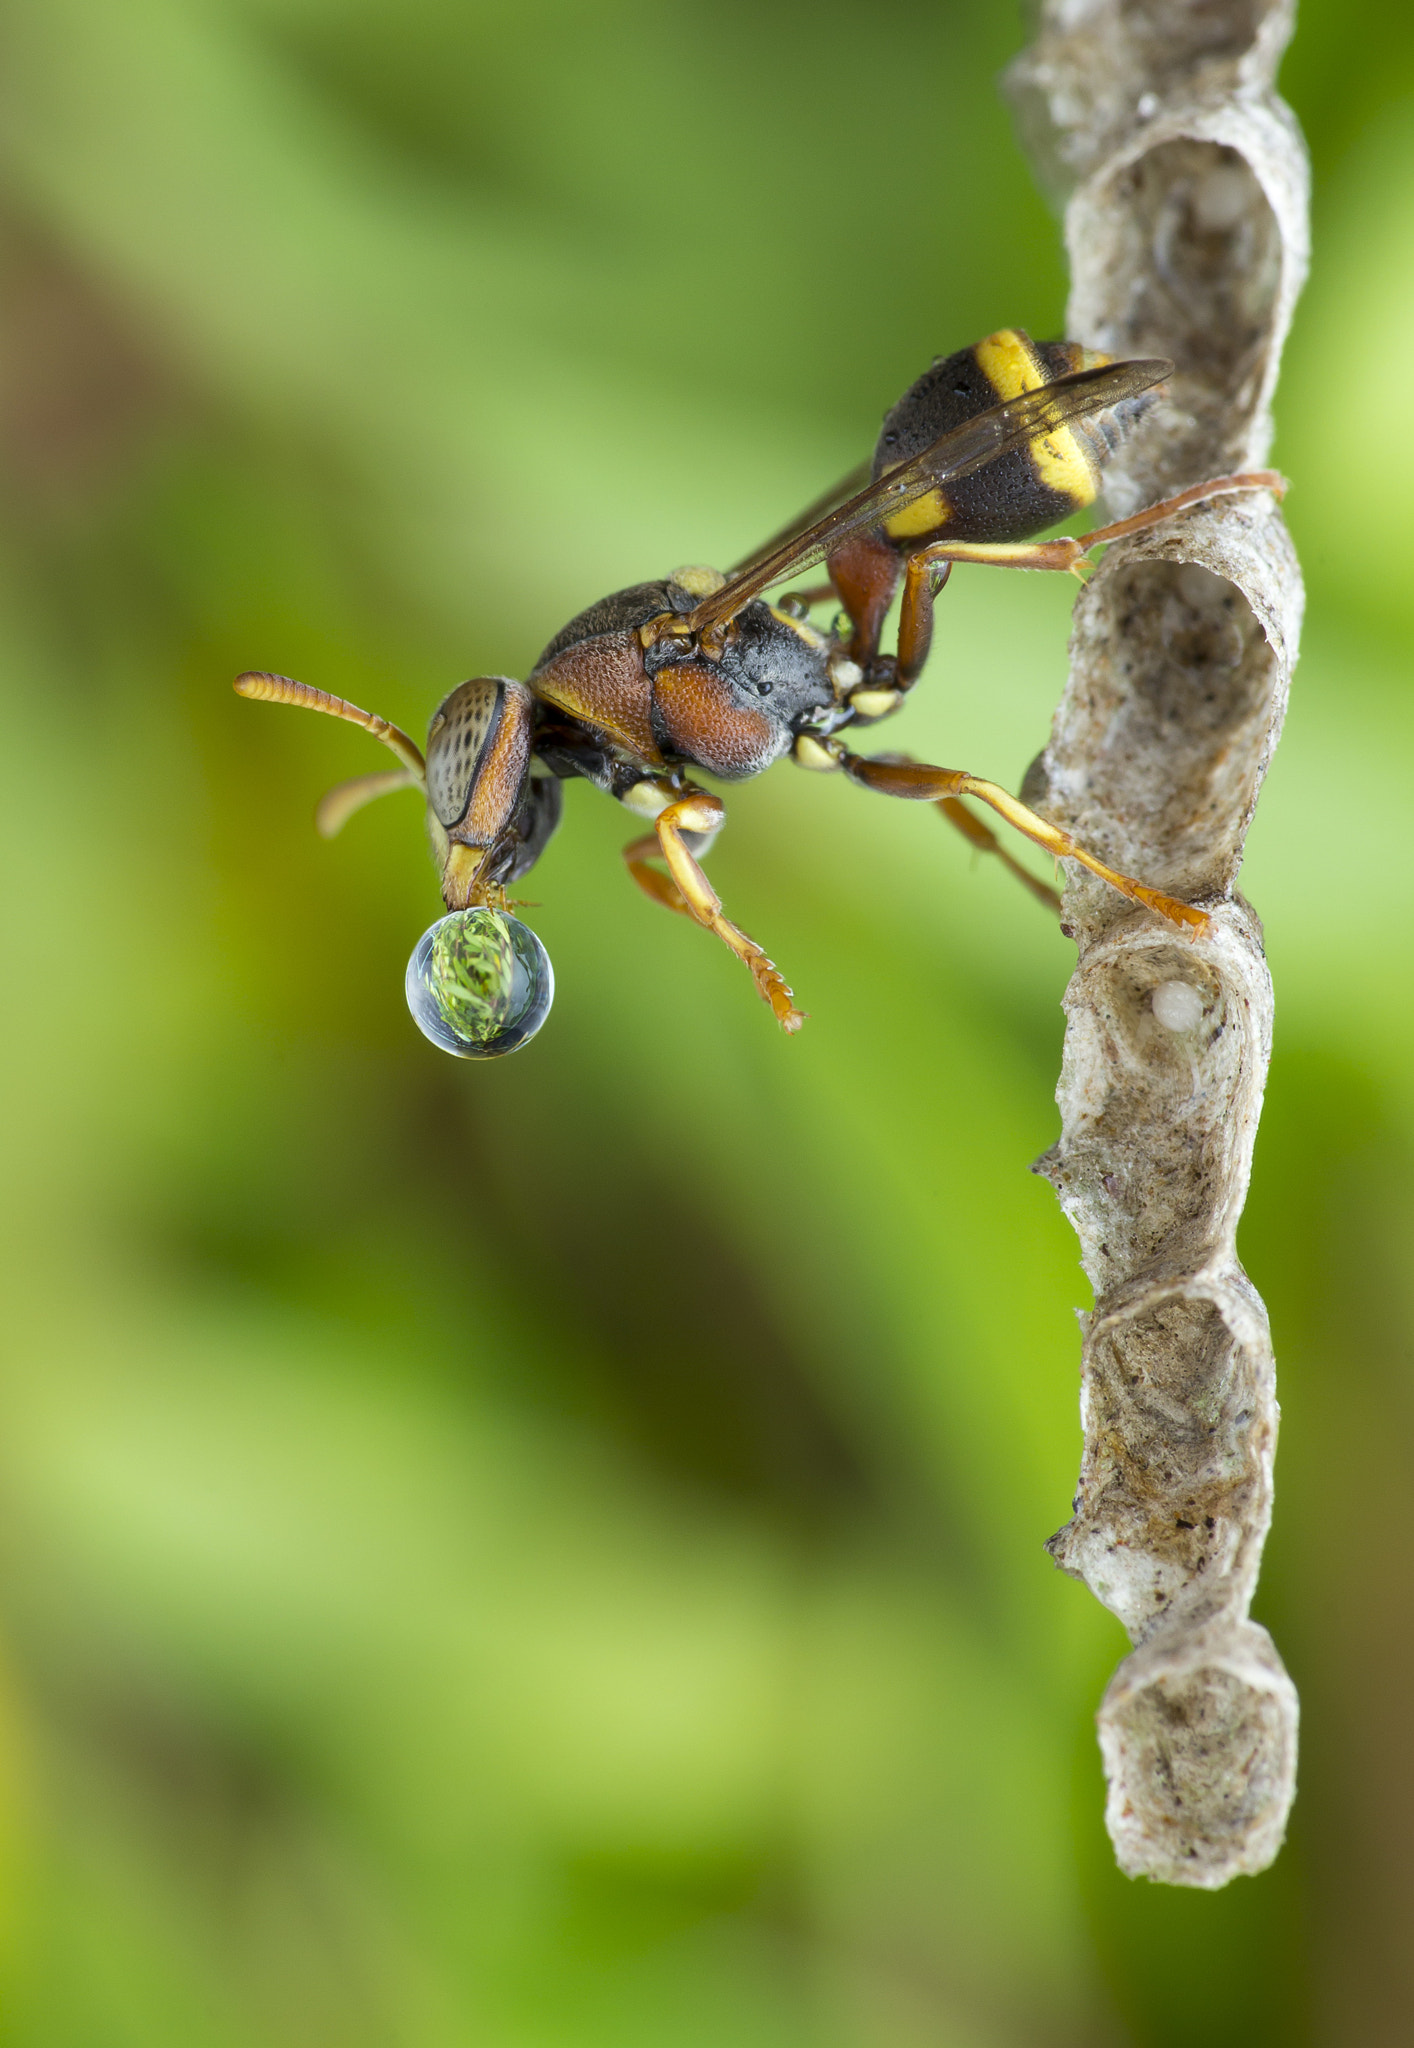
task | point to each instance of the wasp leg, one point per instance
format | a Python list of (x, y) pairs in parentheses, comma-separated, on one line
[(814, 753), (1197, 494), (690, 891), (933, 785), (652, 881), (865, 572), (928, 567), (649, 797), (984, 840)]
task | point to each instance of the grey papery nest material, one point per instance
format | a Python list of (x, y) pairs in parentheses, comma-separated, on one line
[(1186, 224)]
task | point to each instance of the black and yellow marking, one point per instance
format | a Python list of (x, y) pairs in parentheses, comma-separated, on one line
[(1012, 363), (1020, 494)]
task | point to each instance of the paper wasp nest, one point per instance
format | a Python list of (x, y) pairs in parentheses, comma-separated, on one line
[(1185, 186)]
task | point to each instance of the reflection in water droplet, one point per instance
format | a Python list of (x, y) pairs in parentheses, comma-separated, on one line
[(479, 984)]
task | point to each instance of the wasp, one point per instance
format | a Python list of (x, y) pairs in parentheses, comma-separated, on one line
[(698, 672)]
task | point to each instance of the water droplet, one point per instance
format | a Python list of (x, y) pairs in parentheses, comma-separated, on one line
[(479, 984)]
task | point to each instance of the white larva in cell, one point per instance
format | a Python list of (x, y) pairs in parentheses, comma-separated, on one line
[(1177, 1005)]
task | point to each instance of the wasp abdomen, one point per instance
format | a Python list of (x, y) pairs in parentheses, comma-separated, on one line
[(1024, 492)]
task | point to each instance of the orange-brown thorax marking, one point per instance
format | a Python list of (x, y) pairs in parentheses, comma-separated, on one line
[(602, 682), (704, 722)]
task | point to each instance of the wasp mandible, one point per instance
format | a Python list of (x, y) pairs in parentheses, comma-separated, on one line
[(987, 449)]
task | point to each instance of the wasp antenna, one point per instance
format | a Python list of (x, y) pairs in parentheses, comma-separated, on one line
[(272, 689)]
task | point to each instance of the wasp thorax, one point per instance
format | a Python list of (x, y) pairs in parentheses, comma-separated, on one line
[(697, 581), (479, 983)]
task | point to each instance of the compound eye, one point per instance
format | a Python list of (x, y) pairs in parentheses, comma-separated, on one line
[(463, 727), (479, 983)]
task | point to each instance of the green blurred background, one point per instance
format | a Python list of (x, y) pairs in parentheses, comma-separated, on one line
[(549, 1556)]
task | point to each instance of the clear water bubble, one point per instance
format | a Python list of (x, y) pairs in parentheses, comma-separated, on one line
[(479, 984)]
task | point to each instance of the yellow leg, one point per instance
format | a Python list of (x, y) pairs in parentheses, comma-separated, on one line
[(933, 785), (985, 840), (928, 567), (1065, 552), (1197, 494), (692, 893), (652, 881)]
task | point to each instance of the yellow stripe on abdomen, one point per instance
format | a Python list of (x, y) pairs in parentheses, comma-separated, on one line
[(924, 515), (1011, 365)]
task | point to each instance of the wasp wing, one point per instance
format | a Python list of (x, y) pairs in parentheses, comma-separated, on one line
[(974, 444), (847, 487)]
